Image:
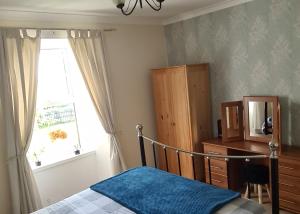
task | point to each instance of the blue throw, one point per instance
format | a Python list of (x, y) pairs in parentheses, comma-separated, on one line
[(151, 191)]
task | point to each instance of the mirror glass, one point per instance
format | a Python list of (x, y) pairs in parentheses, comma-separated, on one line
[(232, 121), (260, 119)]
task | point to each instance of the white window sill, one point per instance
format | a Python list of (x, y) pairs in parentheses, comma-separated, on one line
[(37, 169)]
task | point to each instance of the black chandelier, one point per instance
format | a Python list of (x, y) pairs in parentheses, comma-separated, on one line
[(131, 5)]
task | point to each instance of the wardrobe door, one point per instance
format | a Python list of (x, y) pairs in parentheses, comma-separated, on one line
[(180, 121), (162, 108), (200, 113), (199, 101)]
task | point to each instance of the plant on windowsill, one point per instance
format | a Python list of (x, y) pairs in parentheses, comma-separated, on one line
[(77, 149), (36, 156)]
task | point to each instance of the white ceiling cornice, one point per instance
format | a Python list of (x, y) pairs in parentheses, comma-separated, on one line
[(65, 12), (17, 14), (203, 11), (74, 18)]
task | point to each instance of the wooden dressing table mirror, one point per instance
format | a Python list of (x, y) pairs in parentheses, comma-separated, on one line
[(254, 119), (262, 119), (247, 128), (232, 121)]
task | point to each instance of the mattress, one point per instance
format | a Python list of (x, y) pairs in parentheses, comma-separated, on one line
[(91, 202)]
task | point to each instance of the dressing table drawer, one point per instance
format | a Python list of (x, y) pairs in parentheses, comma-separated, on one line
[(217, 166), (215, 150), (289, 183), (218, 180), (289, 167), (289, 189), (289, 200)]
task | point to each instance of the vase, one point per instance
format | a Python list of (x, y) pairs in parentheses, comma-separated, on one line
[(38, 163)]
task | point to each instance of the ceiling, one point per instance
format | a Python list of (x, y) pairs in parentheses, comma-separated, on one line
[(103, 7)]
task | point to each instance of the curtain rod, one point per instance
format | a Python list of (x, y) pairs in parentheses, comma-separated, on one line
[(105, 30), (66, 29)]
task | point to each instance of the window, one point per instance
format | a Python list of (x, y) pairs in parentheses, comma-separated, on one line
[(66, 121)]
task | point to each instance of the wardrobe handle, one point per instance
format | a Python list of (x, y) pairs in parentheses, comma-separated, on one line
[(172, 124)]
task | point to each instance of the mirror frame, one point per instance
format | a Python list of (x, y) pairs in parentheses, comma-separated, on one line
[(240, 136), (275, 118)]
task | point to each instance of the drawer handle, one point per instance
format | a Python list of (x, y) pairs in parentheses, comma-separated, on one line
[(284, 184), (291, 202), (216, 181), (286, 167), (215, 167), (213, 153)]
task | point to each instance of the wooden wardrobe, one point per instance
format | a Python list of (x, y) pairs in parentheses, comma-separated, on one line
[(183, 115)]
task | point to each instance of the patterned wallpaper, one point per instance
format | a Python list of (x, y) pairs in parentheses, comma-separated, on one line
[(253, 49)]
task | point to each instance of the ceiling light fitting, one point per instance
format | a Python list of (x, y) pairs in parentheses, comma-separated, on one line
[(131, 5)]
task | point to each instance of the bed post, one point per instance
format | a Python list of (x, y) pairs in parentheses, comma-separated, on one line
[(274, 177), (139, 129)]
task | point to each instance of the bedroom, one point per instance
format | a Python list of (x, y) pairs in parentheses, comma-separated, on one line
[(241, 40)]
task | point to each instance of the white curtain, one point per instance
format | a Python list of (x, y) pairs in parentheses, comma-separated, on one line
[(19, 54), (88, 49), (256, 115)]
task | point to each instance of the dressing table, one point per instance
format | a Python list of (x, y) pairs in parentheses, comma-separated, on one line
[(247, 127), (289, 178)]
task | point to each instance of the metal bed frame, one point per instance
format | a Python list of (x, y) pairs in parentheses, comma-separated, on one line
[(273, 157)]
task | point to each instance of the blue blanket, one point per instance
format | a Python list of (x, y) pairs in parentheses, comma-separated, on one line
[(151, 191)]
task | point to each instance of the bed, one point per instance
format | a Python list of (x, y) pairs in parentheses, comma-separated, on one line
[(147, 190), (91, 202)]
